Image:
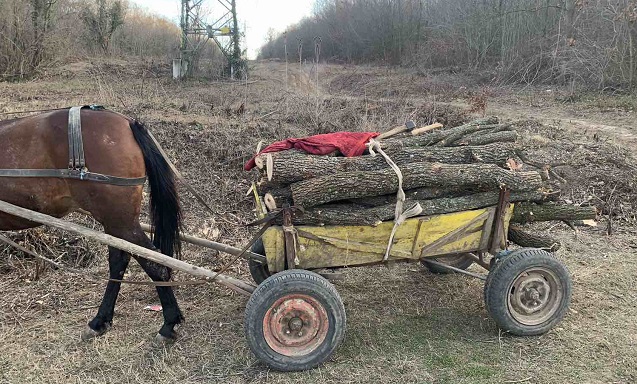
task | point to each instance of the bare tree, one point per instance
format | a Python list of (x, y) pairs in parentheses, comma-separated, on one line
[(103, 20)]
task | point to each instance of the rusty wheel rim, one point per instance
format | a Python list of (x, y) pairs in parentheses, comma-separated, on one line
[(535, 296), (295, 325)]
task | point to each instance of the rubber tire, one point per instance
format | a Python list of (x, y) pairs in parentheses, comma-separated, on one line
[(503, 274), (463, 264), (258, 271), (497, 261), (285, 283)]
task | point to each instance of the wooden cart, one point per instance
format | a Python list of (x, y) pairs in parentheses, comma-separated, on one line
[(295, 318)]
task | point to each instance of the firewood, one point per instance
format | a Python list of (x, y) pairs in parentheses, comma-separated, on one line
[(291, 166), (351, 214), (350, 185), (488, 138), (529, 212), (451, 134), (532, 240)]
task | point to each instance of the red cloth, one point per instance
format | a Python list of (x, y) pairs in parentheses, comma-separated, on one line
[(350, 144)]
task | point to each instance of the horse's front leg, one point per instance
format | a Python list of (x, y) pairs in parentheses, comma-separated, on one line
[(117, 264)]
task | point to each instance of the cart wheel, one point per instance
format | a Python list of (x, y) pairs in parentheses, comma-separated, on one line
[(459, 261), (294, 320), (496, 261), (528, 292), (258, 271)]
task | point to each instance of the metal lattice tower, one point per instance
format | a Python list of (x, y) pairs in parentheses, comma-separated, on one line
[(195, 33)]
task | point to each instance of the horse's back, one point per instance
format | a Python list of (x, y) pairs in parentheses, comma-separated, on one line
[(41, 142)]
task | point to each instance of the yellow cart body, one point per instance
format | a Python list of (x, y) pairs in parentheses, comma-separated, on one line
[(416, 238)]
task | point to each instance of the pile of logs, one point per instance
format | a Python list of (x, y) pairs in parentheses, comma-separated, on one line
[(444, 170)]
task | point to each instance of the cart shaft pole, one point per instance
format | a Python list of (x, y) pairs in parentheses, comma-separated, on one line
[(227, 281)]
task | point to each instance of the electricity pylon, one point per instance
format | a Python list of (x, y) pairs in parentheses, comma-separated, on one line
[(195, 33)]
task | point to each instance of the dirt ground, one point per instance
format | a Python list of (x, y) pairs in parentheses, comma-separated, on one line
[(404, 323)]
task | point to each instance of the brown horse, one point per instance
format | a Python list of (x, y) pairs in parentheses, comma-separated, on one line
[(117, 146)]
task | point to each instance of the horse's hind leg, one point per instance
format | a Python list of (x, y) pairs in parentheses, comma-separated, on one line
[(158, 272), (172, 313), (117, 264)]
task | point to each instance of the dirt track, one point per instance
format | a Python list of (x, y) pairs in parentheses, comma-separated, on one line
[(405, 325)]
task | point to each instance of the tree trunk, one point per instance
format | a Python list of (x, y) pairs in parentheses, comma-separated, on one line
[(292, 166), (351, 185), (351, 214), (529, 212), (526, 239)]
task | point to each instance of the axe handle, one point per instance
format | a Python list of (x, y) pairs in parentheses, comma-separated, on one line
[(392, 132), (426, 128)]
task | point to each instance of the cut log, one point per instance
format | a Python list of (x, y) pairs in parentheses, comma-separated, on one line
[(423, 193), (532, 240), (350, 214), (434, 137), (281, 196), (488, 138), (351, 185), (292, 166), (459, 133), (529, 212), (270, 202)]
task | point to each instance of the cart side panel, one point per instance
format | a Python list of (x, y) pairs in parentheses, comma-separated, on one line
[(452, 233), (274, 244), (333, 246)]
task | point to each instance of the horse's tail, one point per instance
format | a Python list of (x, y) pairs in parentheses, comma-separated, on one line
[(165, 211)]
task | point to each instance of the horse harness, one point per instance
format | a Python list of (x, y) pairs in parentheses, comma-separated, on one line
[(77, 169)]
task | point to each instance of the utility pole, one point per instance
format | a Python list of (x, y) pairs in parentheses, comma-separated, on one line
[(195, 33)]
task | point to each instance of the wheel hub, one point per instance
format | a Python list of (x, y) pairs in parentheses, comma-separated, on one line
[(534, 296), (295, 325)]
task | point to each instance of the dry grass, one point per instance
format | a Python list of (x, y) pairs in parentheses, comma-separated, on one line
[(405, 325)]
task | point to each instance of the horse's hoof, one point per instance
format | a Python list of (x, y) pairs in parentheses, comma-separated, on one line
[(89, 333), (163, 341)]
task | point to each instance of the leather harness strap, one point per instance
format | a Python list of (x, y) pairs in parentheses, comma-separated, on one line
[(77, 162), (75, 175), (76, 143)]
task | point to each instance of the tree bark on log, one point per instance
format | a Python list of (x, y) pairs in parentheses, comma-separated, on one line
[(526, 239), (423, 193), (460, 133), (351, 185), (529, 212), (292, 166), (488, 138), (351, 214), (434, 137)]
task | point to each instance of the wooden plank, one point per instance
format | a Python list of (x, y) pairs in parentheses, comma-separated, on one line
[(486, 230), (455, 235), (227, 281), (274, 244), (214, 245), (499, 236)]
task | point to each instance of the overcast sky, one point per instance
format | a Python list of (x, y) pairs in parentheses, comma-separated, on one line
[(257, 15)]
